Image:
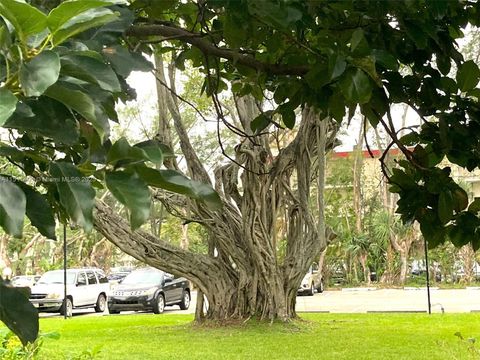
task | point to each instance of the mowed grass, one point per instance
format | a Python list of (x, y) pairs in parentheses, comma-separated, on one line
[(318, 336)]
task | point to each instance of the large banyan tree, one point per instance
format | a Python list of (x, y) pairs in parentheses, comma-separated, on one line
[(263, 238), (317, 63)]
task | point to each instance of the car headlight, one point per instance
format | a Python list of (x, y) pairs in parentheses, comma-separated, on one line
[(53, 296), (150, 291)]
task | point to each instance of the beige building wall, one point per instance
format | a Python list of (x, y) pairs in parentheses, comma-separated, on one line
[(373, 176)]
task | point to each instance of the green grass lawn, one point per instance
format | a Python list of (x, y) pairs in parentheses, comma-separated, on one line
[(319, 336)]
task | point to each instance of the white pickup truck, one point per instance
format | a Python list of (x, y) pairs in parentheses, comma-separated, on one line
[(86, 288)]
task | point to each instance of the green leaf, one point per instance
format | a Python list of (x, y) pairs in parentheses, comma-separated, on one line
[(11, 152), (40, 73), (336, 66), (448, 85), (336, 106), (445, 206), (124, 62), (26, 19), (12, 207), (474, 206), (46, 117), (106, 33), (79, 102), (122, 153), (36, 40), (376, 107), (76, 194), (464, 231), (234, 34), (288, 115), (18, 155), (443, 64), (385, 59), (273, 14), (97, 151), (356, 86), (18, 313), (417, 34), (132, 192), (457, 236), (460, 199), (410, 139), (84, 21), (358, 43), (260, 123), (468, 75), (174, 181), (401, 179), (91, 70), (153, 149), (476, 242), (67, 10), (288, 118), (8, 103), (367, 64), (433, 233), (39, 211), (5, 36), (317, 77)]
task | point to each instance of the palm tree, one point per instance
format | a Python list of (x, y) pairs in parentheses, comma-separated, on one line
[(358, 249), (386, 227)]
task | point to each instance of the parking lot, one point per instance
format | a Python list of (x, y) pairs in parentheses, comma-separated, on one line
[(364, 300), (361, 300)]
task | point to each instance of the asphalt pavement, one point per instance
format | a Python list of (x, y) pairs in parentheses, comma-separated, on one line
[(363, 300), (360, 300)]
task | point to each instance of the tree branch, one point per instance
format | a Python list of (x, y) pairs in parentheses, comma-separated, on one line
[(210, 49), (196, 169), (149, 249)]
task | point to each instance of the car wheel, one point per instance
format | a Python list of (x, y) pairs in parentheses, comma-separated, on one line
[(101, 303), (111, 311), (320, 287), (312, 290), (184, 305), (159, 304), (67, 308)]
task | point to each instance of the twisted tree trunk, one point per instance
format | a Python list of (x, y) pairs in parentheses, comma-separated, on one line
[(264, 193)]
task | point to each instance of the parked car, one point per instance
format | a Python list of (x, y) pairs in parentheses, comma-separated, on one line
[(312, 281), (117, 277), (86, 288), (24, 280), (149, 289)]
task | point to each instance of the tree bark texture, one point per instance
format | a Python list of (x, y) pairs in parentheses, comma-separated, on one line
[(467, 256), (264, 193)]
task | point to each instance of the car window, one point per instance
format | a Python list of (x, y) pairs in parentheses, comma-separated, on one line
[(81, 279), (92, 279), (143, 277), (102, 279), (56, 277)]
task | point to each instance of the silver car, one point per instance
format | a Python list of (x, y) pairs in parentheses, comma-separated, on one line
[(86, 288)]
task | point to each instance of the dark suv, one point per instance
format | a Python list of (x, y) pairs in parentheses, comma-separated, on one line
[(149, 289)]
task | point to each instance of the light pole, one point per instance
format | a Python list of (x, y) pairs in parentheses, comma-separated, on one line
[(428, 276), (64, 271)]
